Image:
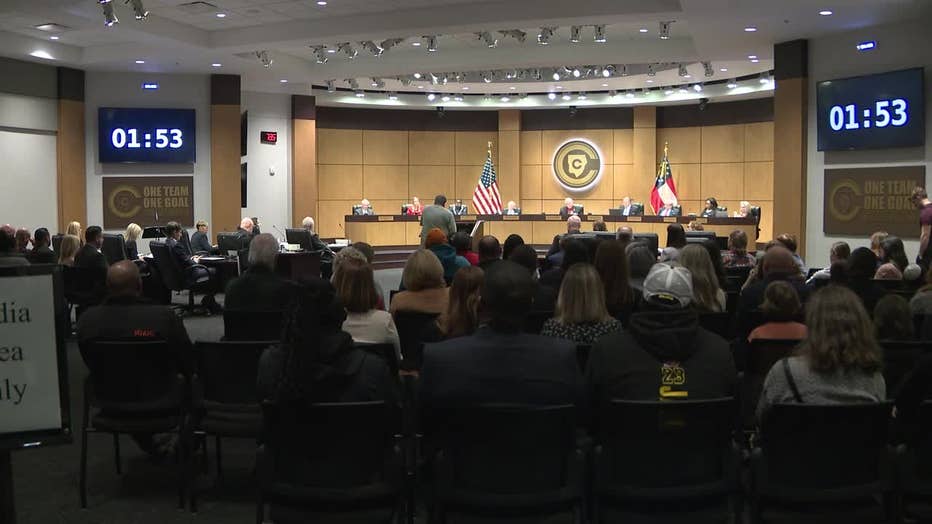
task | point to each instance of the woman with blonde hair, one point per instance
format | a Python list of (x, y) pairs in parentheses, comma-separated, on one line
[(708, 297), (581, 315), (70, 244), (74, 228), (132, 234), (425, 290), (462, 315)]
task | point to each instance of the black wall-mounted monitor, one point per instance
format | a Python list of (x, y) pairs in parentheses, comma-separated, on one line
[(126, 135), (871, 112)]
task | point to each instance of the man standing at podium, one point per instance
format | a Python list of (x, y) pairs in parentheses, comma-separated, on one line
[(437, 216)]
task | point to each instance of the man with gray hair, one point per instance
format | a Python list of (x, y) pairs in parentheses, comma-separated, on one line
[(318, 245), (259, 288)]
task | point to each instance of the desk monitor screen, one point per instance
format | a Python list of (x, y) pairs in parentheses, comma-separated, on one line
[(302, 237), (227, 242), (698, 237)]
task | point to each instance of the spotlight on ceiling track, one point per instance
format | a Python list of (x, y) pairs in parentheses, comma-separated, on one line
[(707, 69), (109, 17), (576, 73), (487, 77), (664, 31), (360, 94), (682, 70), (347, 49), (370, 46), (536, 74), (599, 35), (352, 83), (624, 70), (431, 97), (517, 34), (733, 83), (697, 88), (417, 76), (765, 78), (574, 34), (487, 37), (389, 43), (377, 82), (651, 70), (331, 88), (431, 41), (392, 96), (552, 96), (457, 98), (320, 53), (581, 95), (139, 9), (556, 75), (545, 34), (265, 59)]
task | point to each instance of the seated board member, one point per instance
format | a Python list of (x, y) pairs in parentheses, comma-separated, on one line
[(246, 231), (326, 254), (126, 315), (499, 363), (190, 264), (570, 209), (363, 208), (259, 288), (711, 207), (200, 242), (41, 248), (626, 208), (90, 255), (8, 255), (459, 208), (511, 208), (668, 210)]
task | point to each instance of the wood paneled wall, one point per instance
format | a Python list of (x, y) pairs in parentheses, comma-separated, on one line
[(225, 199), (390, 167), (729, 162)]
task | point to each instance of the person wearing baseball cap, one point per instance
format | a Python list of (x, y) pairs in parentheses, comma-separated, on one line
[(664, 354)]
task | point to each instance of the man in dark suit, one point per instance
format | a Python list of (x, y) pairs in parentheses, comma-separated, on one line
[(194, 272), (364, 208), (90, 255), (326, 254), (626, 206), (260, 288), (499, 363), (41, 252), (459, 208), (200, 242), (568, 209)]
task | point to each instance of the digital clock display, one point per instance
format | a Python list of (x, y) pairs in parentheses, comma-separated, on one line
[(146, 135), (871, 112)]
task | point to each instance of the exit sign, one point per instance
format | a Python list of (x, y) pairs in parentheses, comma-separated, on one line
[(268, 137)]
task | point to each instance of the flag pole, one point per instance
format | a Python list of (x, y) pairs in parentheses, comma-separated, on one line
[(489, 150)]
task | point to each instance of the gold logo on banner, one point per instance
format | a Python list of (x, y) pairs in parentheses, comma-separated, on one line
[(124, 201), (845, 200), (577, 165)]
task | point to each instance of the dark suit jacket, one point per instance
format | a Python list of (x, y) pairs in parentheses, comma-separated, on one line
[(259, 289), (180, 252), (43, 255), (492, 367), (566, 213), (90, 256), (200, 242), (132, 252)]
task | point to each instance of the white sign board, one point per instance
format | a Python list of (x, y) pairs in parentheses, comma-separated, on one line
[(30, 399)]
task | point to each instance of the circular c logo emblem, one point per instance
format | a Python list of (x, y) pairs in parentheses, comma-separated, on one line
[(577, 165), (124, 201), (845, 200)]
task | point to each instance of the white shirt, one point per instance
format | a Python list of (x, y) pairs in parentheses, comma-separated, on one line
[(373, 327)]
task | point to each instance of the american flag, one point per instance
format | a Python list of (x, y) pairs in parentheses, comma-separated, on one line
[(485, 199)]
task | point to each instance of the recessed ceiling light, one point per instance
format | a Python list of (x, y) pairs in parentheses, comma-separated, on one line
[(566, 96), (825, 12), (642, 30), (221, 15), (53, 37), (465, 88), (732, 84), (687, 76), (504, 99), (457, 98), (512, 88), (42, 54), (445, 98), (416, 43), (431, 96), (750, 29), (552, 96), (216, 64), (331, 51), (649, 81), (420, 87), (558, 87), (604, 85), (669, 92), (140, 61), (752, 57), (321, 2), (284, 81), (723, 69), (754, 60)]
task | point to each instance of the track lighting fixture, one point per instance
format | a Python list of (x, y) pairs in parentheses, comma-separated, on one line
[(139, 9), (574, 34), (707, 69), (599, 36), (265, 59), (352, 83), (651, 70), (487, 37), (665, 30), (682, 70), (377, 82), (389, 43), (393, 96), (517, 34), (331, 88), (320, 53), (370, 46), (431, 41), (110, 17), (546, 33), (405, 81), (347, 49)]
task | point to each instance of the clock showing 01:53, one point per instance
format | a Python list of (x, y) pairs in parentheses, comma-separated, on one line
[(870, 112), (146, 135)]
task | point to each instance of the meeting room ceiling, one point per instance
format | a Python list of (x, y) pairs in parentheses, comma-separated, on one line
[(497, 48)]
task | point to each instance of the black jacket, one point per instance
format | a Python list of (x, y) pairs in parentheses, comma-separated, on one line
[(200, 243), (259, 289), (90, 256), (133, 318), (43, 255), (180, 252), (663, 355), (916, 388), (132, 252), (753, 296)]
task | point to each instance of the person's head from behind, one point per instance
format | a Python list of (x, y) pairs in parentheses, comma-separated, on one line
[(788, 241), (781, 302), (640, 259), (738, 242), (676, 236), (355, 286), (262, 252), (462, 315), (94, 236), (489, 248), (461, 241), (625, 234), (696, 259), (711, 204), (841, 335), (573, 224), (343, 255), (422, 271), (70, 244), (526, 257), (22, 239), (133, 231), (840, 252), (315, 311), (574, 252), (696, 225), (435, 237), (41, 238), (123, 279), (918, 196), (308, 223), (877, 238), (893, 251), (507, 294), (7, 238), (581, 298), (778, 263), (440, 200), (668, 286), (201, 226), (172, 230), (612, 264), (862, 264), (893, 319), (598, 225), (246, 224), (365, 249), (514, 240), (74, 228)]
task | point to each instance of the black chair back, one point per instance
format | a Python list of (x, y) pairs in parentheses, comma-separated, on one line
[(637, 208), (252, 325), (411, 328), (186, 240), (384, 351), (651, 239), (755, 361), (169, 268), (114, 247), (719, 323), (698, 237), (227, 371), (84, 286), (130, 375), (648, 448), (534, 322), (56, 243), (899, 359), (299, 236)]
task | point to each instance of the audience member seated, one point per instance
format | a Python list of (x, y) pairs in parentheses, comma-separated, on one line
[(436, 243), (877, 238), (132, 234), (259, 288), (318, 245), (125, 315), (463, 244), (545, 298), (737, 254), (41, 248), (640, 262), (194, 272), (90, 255), (695, 225), (573, 251), (499, 363), (462, 315), (711, 207), (70, 244), (839, 362), (789, 241), (200, 242), (514, 240), (859, 277), (490, 252), (715, 256), (23, 238), (365, 322), (361, 252), (74, 228), (369, 253), (573, 225), (316, 361), (580, 315), (663, 354), (612, 265), (781, 309), (625, 234), (9, 257), (892, 319), (921, 303), (893, 259), (246, 231), (916, 388), (676, 240), (424, 288), (708, 296), (839, 253), (777, 265), (598, 225)]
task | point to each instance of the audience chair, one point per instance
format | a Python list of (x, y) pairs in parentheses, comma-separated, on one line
[(411, 326), (822, 459), (133, 388), (114, 247), (384, 351), (582, 355), (175, 277), (673, 458), (252, 325), (721, 324), (754, 360), (534, 322), (899, 359), (84, 287), (507, 461), (329, 459), (228, 406), (914, 464)]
